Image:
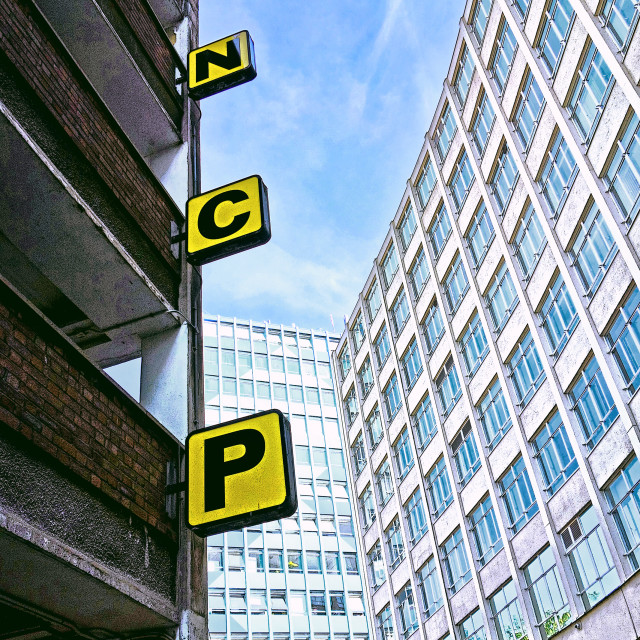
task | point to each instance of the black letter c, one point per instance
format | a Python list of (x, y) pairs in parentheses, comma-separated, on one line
[(207, 219)]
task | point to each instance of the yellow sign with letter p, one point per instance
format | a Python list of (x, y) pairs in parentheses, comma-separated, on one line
[(240, 473)]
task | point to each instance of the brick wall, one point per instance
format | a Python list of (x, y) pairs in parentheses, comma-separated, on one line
[(52, 395), (37, 54)]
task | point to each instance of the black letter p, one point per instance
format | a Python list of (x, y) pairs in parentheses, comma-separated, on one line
[(216, 469)]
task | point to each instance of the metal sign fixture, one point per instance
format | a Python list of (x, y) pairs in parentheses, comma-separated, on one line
[(227, 220), (240, 473), (221, 65)]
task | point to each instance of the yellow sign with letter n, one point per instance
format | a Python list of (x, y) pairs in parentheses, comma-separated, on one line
[(221, 65)]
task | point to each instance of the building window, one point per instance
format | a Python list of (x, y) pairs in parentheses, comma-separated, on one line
[(445, 131), (623, 175), (620, 17), (357, 333), (350, 563), (374, 428), (529, 105), (385, 624), (418, 274), (276, 561), (472, 627), (593, 404), (367, 508), (336, 600), (555, 454), (461, 180), (439, 231), (503, 54), (480, 235), (463, 75), (399, 313), (313, 562), (426, 182), (373, 301), (473, 345), (590, 93), (424, 423), (318, 603), (529, 242), (433, 328), (456, 564), (391, 396), (525, 370), (448, 387), (395, 546), (365, 377), (504, 178), (522, 7), (494, 415), (407, 611), (256, 561), (559, 316), (416, 517), (359, 454), (557, 20), (345, 361), (403, 454), (455, 285), (547, 594), (429, 587), (407, 227), (624, 500), (465, 454), (258, 601), (482, 123), (624, 343), (484, 528), (351, 406), (382, 346), (411, 364), (501, 298), (294, 561), (506, 613), (592, 250), (480, 17), (590, 558), (389, 266), (439, 488), (558, 173), (384, 483), (312, 395), (376, 566), (517, 495)]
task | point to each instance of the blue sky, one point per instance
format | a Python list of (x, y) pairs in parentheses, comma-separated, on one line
[(333, 123)]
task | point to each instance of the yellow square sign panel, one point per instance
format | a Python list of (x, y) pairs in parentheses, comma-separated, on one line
[(240, 473), (227, 220), (221, 65)]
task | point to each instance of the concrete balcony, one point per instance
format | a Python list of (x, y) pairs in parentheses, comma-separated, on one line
[(85, 225), (133, 65)]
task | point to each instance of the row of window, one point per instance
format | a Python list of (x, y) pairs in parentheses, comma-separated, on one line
[(266, 391), (293, 603), (296, 561)]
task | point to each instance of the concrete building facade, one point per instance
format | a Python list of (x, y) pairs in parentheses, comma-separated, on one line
[(296, 578), (489, 370), (99, 153)]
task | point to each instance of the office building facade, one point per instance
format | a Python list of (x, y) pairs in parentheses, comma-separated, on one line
[(99, 153), (489, 369), (297, 578)]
